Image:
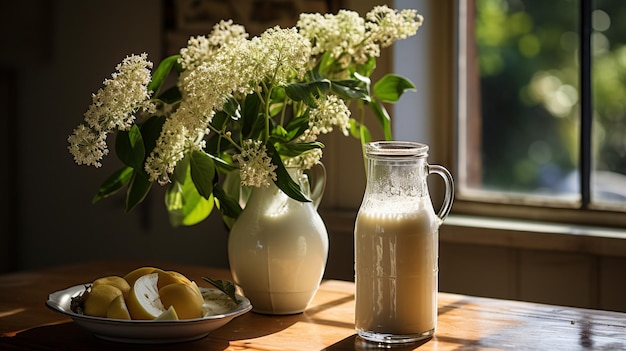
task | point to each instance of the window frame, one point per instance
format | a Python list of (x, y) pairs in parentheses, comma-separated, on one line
[(475, 203)]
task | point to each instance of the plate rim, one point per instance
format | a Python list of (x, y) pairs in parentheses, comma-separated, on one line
[(243, 306)]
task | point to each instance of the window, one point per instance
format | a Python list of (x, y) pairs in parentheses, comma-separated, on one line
[(542, 109)]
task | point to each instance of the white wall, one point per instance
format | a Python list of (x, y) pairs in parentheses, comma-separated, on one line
[(412, 60)]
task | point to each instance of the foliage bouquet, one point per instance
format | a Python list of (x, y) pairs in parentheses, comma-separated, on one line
[(250, 106)]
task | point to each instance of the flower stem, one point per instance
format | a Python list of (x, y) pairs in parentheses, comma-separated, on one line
[(226, 136), (266, 112)]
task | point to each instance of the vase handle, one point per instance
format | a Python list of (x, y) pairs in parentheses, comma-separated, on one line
[(317, 175)]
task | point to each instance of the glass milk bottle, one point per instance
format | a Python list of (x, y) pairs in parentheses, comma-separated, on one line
[(396, 244)]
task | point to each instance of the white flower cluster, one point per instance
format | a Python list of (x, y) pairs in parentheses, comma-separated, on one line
[(331, 111), (352, 39), (280, 55), (227, 66), (256, 168), (340, 34), (200, 48), (113, 108), (235, 66), (87, 146), (388, 25)]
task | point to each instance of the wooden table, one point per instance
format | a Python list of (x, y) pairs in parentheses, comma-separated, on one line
[(465, 322)]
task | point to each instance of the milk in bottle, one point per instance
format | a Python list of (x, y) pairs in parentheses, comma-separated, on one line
[(396, 245)]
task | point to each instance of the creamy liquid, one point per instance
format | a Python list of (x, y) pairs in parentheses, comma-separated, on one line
[(396, 272)]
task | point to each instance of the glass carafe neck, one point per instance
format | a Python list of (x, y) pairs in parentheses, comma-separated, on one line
[(396, 169)]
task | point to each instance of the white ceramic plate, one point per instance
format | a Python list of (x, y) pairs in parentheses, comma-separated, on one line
[(140, 331)]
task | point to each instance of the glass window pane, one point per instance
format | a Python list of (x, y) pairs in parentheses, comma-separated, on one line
[(520, 135), (609, 101)]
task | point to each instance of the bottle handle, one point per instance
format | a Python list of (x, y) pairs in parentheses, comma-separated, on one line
[(449, 193)]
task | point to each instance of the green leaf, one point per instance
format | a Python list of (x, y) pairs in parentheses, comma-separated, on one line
[(297, 126), (227, 204), (185, 205), (383, 117), (222, 165), (279, 131), (278, 93), (219, 120), (174, 203), (351, 89), (171, 95), (138, 189), (365, 81), (227, 287), (231, 108), (231, 187), (277, 100), (196, 209), (364, 135), (307, 92), (326, 64), (181, 170), (283, 179), (366, 69), (202, 172), (295, 149), (161, 72), (391, 87), (354, 128), (150, 132), (251, 123), (114, 183), (130, 148), (359, 130), (330, 67)]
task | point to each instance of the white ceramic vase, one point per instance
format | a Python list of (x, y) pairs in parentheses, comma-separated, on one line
[(278, 248)]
